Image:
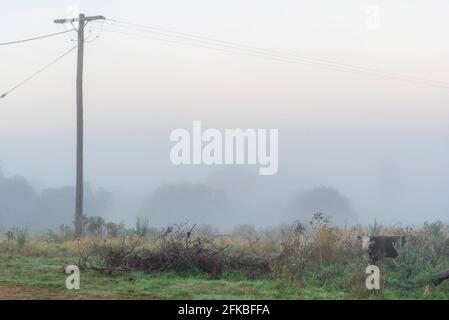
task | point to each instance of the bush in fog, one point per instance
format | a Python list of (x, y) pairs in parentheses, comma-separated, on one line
[(179, 248), (114, 230), (322, 199), (95, 226), (296, 250), (436, 237), (244, 232), (16, 239), (142, 226), (195, 203), (422, 252)]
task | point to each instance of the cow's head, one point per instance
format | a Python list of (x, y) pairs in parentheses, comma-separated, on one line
[(365, 242)]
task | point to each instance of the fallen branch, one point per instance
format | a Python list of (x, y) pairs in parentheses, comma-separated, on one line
[(109, 269), (441, 276)]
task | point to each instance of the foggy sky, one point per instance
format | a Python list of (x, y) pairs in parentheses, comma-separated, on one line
[(381, 143)]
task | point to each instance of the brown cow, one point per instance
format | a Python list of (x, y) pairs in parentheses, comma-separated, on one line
[(380, 247)]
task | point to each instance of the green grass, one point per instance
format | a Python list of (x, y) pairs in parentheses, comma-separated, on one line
[(42, 273)]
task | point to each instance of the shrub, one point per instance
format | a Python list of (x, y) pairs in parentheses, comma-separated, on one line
[(142, 226), (114, 230), (180, 249), (296, 250), (375, 229), (95, 226), (420, 253), (244, 232), (435, 236), (324, 238), (20, 236)]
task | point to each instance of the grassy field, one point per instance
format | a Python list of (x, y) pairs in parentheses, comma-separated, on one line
[(40, 277)]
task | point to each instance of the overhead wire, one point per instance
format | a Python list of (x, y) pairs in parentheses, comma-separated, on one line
[(267, 53), (35, 38), (21, 83), (260, 55), (37, 72)]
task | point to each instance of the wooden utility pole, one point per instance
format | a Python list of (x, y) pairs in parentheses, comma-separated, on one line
[(82, 21)]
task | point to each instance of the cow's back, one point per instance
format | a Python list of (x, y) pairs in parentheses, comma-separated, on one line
[(381, 247)]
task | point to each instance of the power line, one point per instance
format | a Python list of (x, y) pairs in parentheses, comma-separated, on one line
[(36, 38), (268, 54), (260, 55), (193, 37), (36, 73), (322, 62)]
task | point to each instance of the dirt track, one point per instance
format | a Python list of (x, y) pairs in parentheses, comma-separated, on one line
[(21, 293)]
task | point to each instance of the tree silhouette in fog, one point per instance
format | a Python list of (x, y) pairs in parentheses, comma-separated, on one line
[(327, 200), (194, 203), (17, 197), (22, 205)]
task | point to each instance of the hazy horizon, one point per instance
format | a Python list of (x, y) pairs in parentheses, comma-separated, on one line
[(381, 143)]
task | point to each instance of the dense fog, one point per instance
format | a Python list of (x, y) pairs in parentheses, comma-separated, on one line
[(354, 146), (228, 196)]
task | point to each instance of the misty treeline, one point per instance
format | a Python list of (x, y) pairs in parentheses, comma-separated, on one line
[(21, 204)]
